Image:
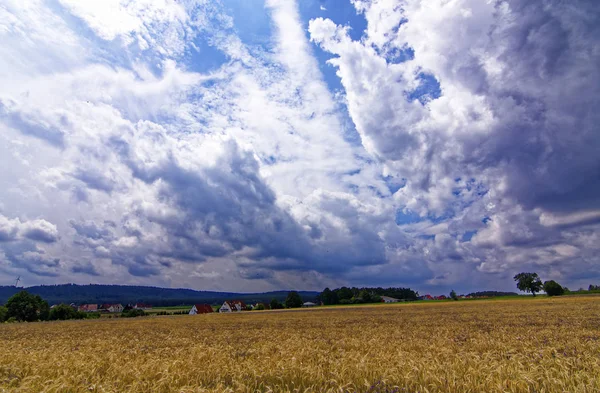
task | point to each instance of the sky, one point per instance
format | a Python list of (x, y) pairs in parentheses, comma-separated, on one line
[(249, 145)]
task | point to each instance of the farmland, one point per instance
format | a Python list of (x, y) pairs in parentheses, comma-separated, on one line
[(533, 345)]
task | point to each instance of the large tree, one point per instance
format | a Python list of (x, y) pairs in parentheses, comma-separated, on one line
[(329, 297), (26, 307), (293, 300), (528, 282), (552, 288)]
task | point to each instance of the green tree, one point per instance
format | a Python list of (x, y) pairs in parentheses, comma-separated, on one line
[(365, 296), (275, 305), (344, 293), (24, 306), (453, 295), (259, 307), (293, 300), (3, 313), (62, 312), (329, 297), (552, 288), (528, 282)]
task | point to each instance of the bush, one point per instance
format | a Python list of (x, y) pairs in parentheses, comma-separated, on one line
[(552, 288), (133, 313), (259, 307), (3, 313), (62, 312), (275, 304)]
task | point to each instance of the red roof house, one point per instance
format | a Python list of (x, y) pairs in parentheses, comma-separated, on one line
[(201, 309)]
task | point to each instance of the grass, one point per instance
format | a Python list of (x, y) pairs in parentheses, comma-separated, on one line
[(534, 345)]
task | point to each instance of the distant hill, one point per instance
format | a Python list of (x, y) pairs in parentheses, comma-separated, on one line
[(124, 294)]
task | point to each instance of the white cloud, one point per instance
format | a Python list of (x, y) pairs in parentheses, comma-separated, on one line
[(145, 171)]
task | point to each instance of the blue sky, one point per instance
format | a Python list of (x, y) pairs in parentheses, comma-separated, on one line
[(247, 145)]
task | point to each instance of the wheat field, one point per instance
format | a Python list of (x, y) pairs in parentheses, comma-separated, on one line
[(536, 345)]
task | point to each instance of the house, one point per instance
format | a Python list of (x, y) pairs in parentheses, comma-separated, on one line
[(112, 307), (142, 306), (388, 299), (309, 304), (233, 306), (201, 309), (88, 308), (441, 297), (426, 297)]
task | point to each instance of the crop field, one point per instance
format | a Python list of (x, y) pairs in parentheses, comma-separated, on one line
[(536, 345)]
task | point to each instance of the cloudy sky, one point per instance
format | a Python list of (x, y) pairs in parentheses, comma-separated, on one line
[(245, 145)]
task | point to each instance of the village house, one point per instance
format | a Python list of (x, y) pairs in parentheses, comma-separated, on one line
[(142, 306), (233, 306), (388, 299), (88, 308), (112, 308), (201, 309), (309, 304)]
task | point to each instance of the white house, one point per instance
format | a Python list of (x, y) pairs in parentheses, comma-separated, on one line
[(387, 299), (309, 304), (232, 306), (115, 308)]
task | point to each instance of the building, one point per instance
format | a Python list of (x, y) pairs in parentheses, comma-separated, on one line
[(201, 309), (426, 297), (309, 304), (88, 308), (142, 306), (388, 299), (113, 307), (233, 306)]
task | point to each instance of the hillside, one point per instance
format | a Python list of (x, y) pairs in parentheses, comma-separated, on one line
[(73, 293)]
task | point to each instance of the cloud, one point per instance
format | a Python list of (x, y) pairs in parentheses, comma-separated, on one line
[(476, 153), (37, 230), (511, 112)]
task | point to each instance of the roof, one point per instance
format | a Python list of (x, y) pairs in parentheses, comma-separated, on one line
[(203, 308), (388, 298), (89, 307), (232, 303), (107, 306)]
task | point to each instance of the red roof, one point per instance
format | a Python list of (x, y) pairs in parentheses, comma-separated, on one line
[(232, 304), (203, 308)]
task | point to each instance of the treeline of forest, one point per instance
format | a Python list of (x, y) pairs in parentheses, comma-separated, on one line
[(124, 294), (354, 295)]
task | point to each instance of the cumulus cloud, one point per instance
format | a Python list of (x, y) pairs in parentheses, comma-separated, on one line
[(37, 230), (499, 137), (476, 153)]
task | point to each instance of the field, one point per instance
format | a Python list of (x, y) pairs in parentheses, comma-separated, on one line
[(534, 345)]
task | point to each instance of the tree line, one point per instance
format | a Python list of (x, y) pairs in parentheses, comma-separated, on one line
[(354, 295), (25, 307)]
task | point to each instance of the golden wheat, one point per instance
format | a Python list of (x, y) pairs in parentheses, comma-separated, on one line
[(537, 345)]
